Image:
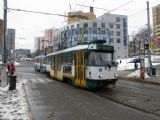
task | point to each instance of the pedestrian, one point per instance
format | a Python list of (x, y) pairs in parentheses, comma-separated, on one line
[(8, 66), (12, 69), (8, 71), (135, 66)]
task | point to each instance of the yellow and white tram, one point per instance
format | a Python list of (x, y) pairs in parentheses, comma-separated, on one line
[(40, 64), (87, 66)]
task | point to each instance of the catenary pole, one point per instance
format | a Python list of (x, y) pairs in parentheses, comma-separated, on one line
[(148, 40), (4, 31)]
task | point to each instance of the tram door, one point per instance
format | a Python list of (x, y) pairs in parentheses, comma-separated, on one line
[(55, 66), (80, 69)]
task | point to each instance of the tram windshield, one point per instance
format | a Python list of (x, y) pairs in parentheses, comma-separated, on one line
[(100, 58)]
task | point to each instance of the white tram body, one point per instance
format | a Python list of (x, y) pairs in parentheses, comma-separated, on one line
[(88, 66)]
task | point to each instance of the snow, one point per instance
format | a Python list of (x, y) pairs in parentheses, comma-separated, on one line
[(13, 104), (137, 74)]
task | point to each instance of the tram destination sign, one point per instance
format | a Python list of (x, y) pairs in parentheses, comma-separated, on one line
[(105, 47)]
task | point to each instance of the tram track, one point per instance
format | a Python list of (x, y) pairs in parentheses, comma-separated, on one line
[(134, 96)]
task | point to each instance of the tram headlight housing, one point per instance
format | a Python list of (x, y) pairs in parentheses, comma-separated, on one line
[(100, 75), (116, 75)]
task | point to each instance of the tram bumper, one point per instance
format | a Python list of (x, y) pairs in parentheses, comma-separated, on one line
[(101, 83)]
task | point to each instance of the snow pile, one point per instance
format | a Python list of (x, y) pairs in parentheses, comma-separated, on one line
[(137, 74), (13, 104), (16, 63)]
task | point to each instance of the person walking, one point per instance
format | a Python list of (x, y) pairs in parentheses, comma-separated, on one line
[(8, 66), (8, 71), (12, 69), (135, 66)]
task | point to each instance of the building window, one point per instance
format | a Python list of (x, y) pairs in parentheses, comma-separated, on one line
[(77, 25), (118, 19), (118, 33), (103, 25), (94, 31), (118, 40), (111, 40), (103, 32), (85, 38), (67, 27), (118, 26), (111, 33), (72, 26), (110, 25), (94, 24), (94, 38), (77, 31)]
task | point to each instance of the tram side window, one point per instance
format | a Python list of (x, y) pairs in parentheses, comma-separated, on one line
[(59, 61), (44, 61), (67, 69), (49, 60), (52, 63)]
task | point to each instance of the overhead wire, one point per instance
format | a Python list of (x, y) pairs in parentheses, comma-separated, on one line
[(29, 11)]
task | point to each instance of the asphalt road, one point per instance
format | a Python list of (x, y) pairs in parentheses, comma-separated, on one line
[(53, 100)]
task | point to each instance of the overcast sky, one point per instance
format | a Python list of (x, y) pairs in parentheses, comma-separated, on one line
[(30, 25)]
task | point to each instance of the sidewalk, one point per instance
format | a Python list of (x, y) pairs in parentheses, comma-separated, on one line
[(13, 104), (152, 79)]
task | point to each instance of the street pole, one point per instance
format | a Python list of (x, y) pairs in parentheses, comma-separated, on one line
[(148, 40), (4, 30)]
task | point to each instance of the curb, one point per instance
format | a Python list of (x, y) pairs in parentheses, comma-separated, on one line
[(135, 79)]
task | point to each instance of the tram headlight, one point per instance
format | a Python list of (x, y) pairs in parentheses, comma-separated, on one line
[(116, 75), (100, 75)]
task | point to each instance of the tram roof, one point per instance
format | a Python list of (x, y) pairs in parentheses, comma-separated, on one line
[(78, 47), (75, 48)]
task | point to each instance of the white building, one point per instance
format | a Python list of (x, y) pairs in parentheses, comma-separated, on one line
[(118, 27), (75, 33)]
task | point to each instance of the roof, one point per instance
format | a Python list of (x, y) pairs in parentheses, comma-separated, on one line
[(78, 47)]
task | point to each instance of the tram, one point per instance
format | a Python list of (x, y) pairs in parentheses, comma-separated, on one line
[(40, 62), (86, 66)]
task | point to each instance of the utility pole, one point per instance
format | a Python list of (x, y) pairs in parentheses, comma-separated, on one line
[(148, 40), (4, 31)]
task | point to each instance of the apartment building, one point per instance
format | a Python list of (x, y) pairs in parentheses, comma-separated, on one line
[(118, 33), (156, 24), (112, 29)]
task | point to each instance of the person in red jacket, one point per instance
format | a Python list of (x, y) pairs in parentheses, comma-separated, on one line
[(8, 66), (12, 69)]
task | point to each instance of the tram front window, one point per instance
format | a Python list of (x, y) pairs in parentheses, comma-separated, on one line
[(100, 58)]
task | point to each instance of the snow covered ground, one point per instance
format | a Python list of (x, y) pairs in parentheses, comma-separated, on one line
[(13, 105)]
